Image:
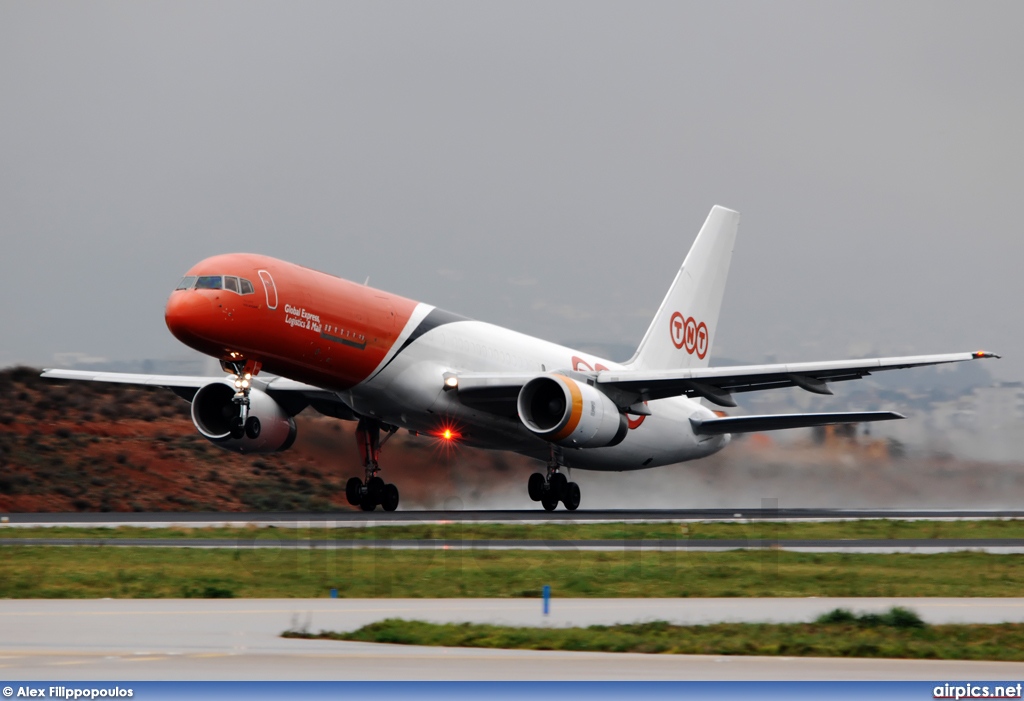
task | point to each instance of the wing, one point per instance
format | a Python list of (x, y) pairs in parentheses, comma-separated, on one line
[(497, 393), (293, 396), (493, 393), (128, 378), (718, 384)]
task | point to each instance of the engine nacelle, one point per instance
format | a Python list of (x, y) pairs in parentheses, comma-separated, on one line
[(570, 413), (213, 411)]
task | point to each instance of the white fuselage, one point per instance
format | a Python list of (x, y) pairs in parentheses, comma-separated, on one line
[(408, 392)]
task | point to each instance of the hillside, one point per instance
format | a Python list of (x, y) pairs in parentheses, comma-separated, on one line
[(98, 447), (94, 447)]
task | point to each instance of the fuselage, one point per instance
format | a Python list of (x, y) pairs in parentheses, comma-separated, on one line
[(386, 357)]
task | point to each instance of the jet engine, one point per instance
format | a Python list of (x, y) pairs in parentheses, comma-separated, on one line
[(270, 428), (570, 413)]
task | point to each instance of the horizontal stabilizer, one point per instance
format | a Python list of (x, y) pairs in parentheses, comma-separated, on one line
[(776, 422)]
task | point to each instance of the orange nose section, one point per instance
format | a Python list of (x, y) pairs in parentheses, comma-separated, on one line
[(190, 317)]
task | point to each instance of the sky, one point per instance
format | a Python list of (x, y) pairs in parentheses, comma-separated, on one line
[(540, 165)]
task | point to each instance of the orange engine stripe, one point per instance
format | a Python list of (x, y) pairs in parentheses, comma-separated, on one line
[(577, 410)]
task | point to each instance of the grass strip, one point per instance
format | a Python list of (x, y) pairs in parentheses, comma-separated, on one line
[(756, 530), (92, 572), (849, 638)]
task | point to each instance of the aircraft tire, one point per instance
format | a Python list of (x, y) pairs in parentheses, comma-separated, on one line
[(354, 491), (390, 498), (536, 486), (375, 490), (367, 504), (557, 486), (253, 427), (549, 502), (572, 496)]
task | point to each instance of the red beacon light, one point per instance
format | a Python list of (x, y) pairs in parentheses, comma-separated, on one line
[(448, 434)]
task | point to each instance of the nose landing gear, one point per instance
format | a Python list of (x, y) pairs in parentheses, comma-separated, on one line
[(243, 424), (374, 491), (554, 488)]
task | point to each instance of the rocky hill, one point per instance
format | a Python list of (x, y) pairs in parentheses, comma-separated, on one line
[(95, 447), (98, 447)]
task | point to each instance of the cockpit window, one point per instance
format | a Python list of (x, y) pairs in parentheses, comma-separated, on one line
[(210, 282), (238, 285)]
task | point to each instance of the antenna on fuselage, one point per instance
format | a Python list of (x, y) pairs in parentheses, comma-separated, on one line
[(366, 282)]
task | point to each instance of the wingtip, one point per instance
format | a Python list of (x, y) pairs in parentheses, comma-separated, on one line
[(985, 354)]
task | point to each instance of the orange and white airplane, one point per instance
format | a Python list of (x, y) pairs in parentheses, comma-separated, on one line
[(289, 337)]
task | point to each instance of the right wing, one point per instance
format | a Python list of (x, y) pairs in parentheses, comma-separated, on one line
[(292, 395)]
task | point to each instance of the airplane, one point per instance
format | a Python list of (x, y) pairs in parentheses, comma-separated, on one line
[(289, 337)]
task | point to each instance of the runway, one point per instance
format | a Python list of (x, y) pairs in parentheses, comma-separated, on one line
[(68, 640), (1002, 546), (339, 519)]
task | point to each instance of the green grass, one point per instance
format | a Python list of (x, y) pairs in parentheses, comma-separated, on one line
[(91, 572), (820, 639), (868, 528)]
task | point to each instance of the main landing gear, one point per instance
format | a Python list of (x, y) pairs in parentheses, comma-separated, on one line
[(374, 491), (244, 425), (554, 488)]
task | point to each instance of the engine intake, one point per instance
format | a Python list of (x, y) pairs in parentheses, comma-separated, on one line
[(213, 411), (570, 413)]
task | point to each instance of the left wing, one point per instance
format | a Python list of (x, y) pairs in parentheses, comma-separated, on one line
[(498, 392), (718, 384)]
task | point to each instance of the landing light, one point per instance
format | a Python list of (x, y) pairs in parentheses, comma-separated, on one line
[(450, 381)]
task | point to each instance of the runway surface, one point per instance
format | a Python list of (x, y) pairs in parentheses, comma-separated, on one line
[(67, 640), (383, 518), (1000, 546)]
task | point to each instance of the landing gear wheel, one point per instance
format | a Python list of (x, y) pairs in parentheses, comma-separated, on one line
[(550, 502), (536, 486), (253, 427), (375, 490), (237, 428), (557, 485), (572, 496), (354, 491), (390, 498)]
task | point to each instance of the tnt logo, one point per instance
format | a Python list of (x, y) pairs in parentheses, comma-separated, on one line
[(687, 333)]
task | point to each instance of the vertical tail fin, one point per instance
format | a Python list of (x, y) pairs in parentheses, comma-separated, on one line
[(684, 327)]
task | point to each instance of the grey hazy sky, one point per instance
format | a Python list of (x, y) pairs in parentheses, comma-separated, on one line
[(541, 165)]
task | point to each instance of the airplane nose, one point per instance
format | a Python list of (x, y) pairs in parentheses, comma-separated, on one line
[(188, 316)]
